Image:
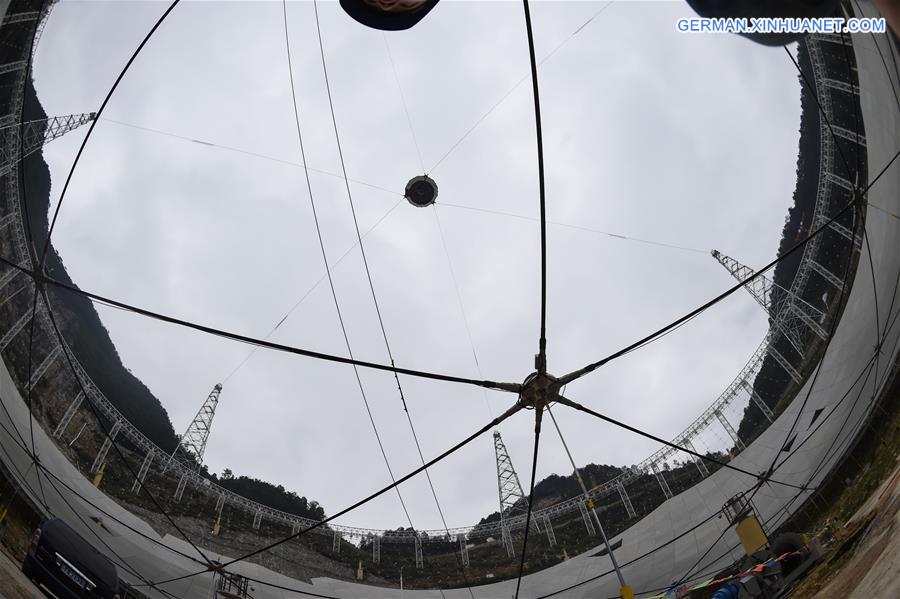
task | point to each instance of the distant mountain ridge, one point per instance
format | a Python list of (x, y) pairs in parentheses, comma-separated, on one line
[(94, 348), (80, 323), (90, 341)]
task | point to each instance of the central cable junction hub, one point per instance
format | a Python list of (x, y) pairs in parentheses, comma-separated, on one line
[(539, 390)]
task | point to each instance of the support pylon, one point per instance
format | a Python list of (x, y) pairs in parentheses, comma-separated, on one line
[(758, 401), (738, 442), (512, 498), (217, 525), (586, 517), (789, 314), (99, 476), (463, 549), (548, 528), (100, 459), (142, 473), (69, 414), (192, 446), (39, 132), (661, 479), (626, 501), (701, 466)]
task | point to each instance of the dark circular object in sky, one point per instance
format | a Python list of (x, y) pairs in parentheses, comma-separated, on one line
[(388, 15), (421, 191)]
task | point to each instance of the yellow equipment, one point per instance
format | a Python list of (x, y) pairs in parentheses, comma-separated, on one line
[(99, 476), (749, 531), (751, 534)]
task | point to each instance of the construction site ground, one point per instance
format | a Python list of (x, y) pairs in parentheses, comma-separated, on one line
[(862, 514), (864, 560)]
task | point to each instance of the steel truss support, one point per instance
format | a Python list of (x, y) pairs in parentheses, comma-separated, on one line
[(506, 539), (257, 521), (827, 274), (758, 401), (811, 323), (192, 446), (376, 550), (730, 430), (840, 182), (13, 66), (104, 449), (419, 561), (24, 287), (37, 133), (179, 490), (548, 528), (662, 481), (15, 329), (701, 465), (8, 276), (848, 134), (69, 414), (588, 522), (789, 314), (783, 362), (463, 549), (20, 17), (842, 231), (844, 86), (626, 501), (217, 523), (142, 473), (45, 365), (512, 497)]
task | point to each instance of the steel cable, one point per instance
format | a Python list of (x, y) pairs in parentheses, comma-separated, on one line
[(365, 261), (370, 497)]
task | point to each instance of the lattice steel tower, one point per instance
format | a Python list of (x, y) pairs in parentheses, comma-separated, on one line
[(512, 499), (36, 134), (789, 314), (191, 447)]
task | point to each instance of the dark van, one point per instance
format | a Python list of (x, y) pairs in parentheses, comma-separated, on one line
[(67, 565)]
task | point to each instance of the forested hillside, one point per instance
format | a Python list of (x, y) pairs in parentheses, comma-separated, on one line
[(835, 252), (271, 495), (80, 322), (91, 343)]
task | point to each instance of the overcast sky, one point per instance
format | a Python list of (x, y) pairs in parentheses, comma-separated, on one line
[(683, 139)]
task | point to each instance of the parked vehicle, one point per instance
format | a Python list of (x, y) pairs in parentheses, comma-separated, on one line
[(67, 565)]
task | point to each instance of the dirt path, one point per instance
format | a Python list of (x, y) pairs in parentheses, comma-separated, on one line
[(874, 570)]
